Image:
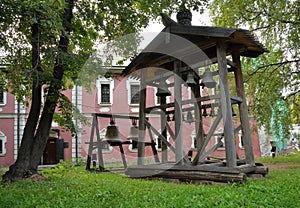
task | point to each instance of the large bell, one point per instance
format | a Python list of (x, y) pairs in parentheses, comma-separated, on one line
[(112, 134), (190, 81), (163, 89), (208, 80)]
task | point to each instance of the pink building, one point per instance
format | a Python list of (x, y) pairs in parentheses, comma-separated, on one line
[(117, 95)]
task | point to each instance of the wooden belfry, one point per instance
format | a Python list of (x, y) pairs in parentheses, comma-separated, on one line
[(179, 51)]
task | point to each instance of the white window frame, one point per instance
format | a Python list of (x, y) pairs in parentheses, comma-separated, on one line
[(130, 147), (193, 137), (4, 98), (102, 136), (3, 140), (102, 80), (240, 134), (130, 82), (156, 142)]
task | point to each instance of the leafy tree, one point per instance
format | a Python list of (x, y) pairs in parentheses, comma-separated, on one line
[(47, 43), (272, 79)]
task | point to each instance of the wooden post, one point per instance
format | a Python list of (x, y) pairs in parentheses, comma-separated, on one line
[(99, 145), (246, 132), (89, 157), (226, 105), (142, 117), (163, 120), (198, 121), (178, 113)]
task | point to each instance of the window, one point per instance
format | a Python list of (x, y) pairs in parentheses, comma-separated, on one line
[(133, 147), (105, 91), (2, 143), (219, 136), (194, 140), (135, 94), (159, 143), (133, 88), (241, 141), (2, 98)]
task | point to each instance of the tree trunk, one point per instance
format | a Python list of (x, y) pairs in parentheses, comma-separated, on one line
[(34, 141)]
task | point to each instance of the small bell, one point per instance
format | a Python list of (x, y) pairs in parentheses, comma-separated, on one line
[(112, 133), (190, 81), (163, 89), (208, 80), (134, 132), (189, 117)]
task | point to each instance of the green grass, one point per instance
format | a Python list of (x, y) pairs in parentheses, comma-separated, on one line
[(291, 158), (71, 186)]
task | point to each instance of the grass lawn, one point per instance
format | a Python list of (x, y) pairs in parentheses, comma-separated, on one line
[(72, 186)]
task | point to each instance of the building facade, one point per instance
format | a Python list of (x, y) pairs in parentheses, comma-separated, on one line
[(116, 95)]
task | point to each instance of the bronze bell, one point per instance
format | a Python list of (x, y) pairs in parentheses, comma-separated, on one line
[(134, 132), (190, 81), (208, 80), (112, 134), (163, 89)]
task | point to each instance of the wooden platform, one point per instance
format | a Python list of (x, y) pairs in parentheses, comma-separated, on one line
[(216, 172)]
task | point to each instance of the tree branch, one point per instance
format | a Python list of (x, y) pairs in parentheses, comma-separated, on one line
[(270, 65)]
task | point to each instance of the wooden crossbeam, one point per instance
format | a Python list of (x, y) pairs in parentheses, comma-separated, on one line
[(164, 140), (209, 135)]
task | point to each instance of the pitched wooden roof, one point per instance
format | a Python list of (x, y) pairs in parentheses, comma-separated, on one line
[(193, 45)]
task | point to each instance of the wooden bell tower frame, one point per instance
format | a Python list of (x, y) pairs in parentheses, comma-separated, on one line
[(218, 45)]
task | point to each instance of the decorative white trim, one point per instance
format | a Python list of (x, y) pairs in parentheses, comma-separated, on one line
[(130, 82), (104, 109), (77, 102), (23, 116), (102, 80), (3, 140)]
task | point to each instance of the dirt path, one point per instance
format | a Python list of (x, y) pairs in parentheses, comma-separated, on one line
[(282, 166)]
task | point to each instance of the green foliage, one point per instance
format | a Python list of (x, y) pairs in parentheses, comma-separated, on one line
[(273, 78), (72, 186), (93, 22)]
